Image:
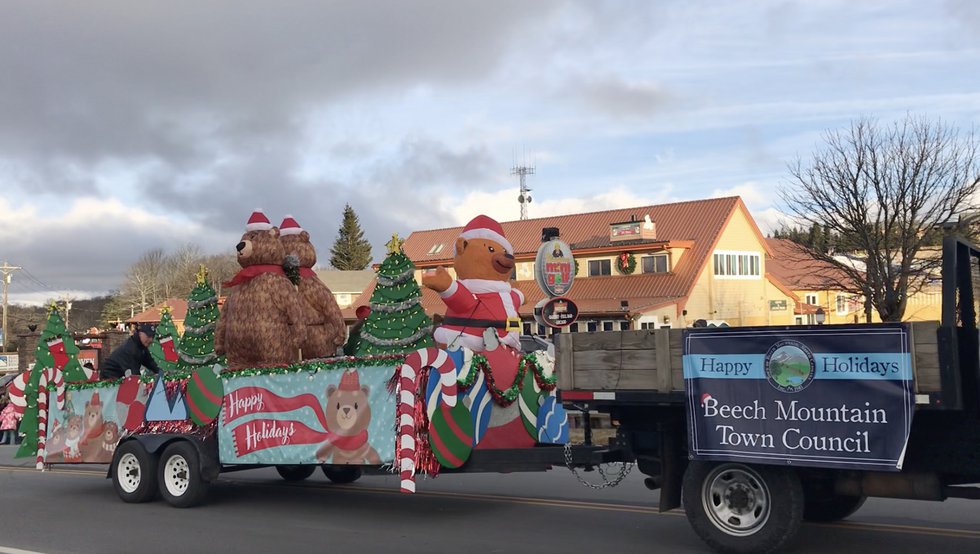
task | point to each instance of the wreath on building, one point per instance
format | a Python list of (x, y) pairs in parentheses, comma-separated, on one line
[(626, 263)]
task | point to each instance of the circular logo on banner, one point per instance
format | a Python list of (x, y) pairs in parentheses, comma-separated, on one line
[(789, 366), (554, 267)]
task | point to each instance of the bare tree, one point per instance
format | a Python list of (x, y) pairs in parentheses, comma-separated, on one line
[(143, 286), (885, 191), (180, 269)]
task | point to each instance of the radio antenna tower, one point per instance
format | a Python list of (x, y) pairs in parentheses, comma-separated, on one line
[(525, 197)]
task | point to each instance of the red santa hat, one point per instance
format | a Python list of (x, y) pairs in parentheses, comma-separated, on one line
[(95, 400), (258, 222), (484, 227), (349, 381), (289, 226)]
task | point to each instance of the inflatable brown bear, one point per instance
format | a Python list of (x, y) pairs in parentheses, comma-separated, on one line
[(261, 323), (325, 328)]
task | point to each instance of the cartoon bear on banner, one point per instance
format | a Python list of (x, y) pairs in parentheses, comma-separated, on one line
[(325, 328), (348, 417), (261, 323), (482, 315)]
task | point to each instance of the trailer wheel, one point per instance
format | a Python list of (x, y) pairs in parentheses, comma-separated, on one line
[(181, 484), (827, 508), (342, 474), (134, 473), (740, 509), (295, 472)]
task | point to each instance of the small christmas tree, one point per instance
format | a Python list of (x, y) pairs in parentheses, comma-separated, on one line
[(197, 345), (397, 322), (55, 350), (166, 342)]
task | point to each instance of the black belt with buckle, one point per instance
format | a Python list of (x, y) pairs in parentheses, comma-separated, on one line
[(509, 324)]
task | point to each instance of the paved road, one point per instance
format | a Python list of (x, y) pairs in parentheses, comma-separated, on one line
[(76, 510)]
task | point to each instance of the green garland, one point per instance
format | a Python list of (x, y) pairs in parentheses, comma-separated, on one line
[(507, 396), (626, 263), (313, 366)]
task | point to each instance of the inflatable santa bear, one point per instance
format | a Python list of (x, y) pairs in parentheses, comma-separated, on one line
[(482, 298)]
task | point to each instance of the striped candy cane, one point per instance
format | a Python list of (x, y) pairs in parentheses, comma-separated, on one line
[(16, 392), (42, 417), (409, 374), (57, 378)]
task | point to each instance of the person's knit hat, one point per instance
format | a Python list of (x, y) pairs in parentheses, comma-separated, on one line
[(148, 329)]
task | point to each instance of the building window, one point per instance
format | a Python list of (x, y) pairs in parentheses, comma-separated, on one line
[(436, 248), (737, 265), (607, 325), (842, 302), (593, 326), (811, 299), (573, 328), (654, 264), (527, 328), (600, 267), (624, 325)]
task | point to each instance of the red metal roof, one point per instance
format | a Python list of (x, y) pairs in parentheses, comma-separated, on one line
[(178, 311), (793, 266)]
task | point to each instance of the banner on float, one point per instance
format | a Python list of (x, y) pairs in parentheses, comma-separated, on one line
[(816, 396)]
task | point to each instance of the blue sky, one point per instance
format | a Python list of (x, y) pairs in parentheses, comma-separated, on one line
[(128, 127)]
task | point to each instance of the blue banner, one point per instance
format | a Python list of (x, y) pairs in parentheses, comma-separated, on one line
[(817, 396)]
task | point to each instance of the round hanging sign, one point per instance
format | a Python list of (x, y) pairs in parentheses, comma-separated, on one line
[(554, 267), (556, 312)]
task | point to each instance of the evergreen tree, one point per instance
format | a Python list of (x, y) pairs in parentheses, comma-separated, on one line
[(55, 350), (166, 342), (197, 345), (351, 251), (397, 322)]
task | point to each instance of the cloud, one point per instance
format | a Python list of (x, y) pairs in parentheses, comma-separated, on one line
[(622, 99)]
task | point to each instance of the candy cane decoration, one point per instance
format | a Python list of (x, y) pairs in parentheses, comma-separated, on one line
[(16, 392), (42, 416), (409, 373), (57, 378)]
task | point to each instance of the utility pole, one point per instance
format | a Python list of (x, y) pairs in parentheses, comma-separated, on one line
[(7, 270), (67, 299)]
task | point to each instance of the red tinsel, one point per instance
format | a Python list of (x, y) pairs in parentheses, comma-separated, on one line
[(174, 388), (425, 460), (184, 427)]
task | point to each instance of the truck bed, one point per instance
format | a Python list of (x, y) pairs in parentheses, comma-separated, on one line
[(651, 360)]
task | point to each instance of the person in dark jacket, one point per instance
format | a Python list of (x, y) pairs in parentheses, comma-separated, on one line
[(131, 355)]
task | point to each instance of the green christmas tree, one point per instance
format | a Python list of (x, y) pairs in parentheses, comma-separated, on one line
[(55, 349), (197, 345), (166, 343), (397, 322), (351, 251)]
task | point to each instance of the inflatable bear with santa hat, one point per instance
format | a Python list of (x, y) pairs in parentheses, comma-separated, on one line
[(325, 328), (261, 323)]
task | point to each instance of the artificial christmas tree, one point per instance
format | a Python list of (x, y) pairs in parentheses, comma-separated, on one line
[(166, 342), (196, 347), (55, 355), (397, 322)]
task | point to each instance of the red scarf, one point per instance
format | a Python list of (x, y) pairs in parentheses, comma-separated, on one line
[(306, 273), (348, 443), (251, 272)]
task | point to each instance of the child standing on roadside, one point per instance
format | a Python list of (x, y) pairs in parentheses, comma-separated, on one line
[(8, 421)]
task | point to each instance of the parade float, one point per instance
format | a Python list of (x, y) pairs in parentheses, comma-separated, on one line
[(236, 391)]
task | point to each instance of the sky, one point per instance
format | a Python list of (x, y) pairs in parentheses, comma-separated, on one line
[(126, 126)]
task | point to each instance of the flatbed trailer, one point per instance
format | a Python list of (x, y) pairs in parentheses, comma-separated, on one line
[(639, 379)]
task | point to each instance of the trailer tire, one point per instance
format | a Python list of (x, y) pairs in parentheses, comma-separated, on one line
[(295, 472), (341, 474), (134, 473), (829, 508), (181, 483), (739, 509)]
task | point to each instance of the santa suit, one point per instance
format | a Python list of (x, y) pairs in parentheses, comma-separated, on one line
[(479, 299)]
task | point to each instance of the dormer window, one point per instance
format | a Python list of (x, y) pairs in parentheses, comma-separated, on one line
[(436, 248)]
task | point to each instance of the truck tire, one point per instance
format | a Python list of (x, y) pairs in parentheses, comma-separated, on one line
[(739, 509), (342, 474), (827, 508), (181, 484), (295, 472), (134, 473)]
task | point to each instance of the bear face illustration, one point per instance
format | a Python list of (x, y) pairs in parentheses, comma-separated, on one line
[(348, 411), (348, 416)]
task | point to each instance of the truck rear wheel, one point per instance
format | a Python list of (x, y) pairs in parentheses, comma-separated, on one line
[(134, 473), (181, 484), (342, 474), (740, 509), (295, 472)]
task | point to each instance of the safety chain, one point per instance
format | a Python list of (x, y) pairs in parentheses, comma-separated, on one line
[(617, 478)]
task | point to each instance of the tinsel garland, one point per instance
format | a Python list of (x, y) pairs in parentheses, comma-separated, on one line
[(507, 396), (396, 342), (184, 427), (206, 359), (425, 461), (168, 378), (200, 330), (397, 279), (345, 362), (398, 306), (194, 304)]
